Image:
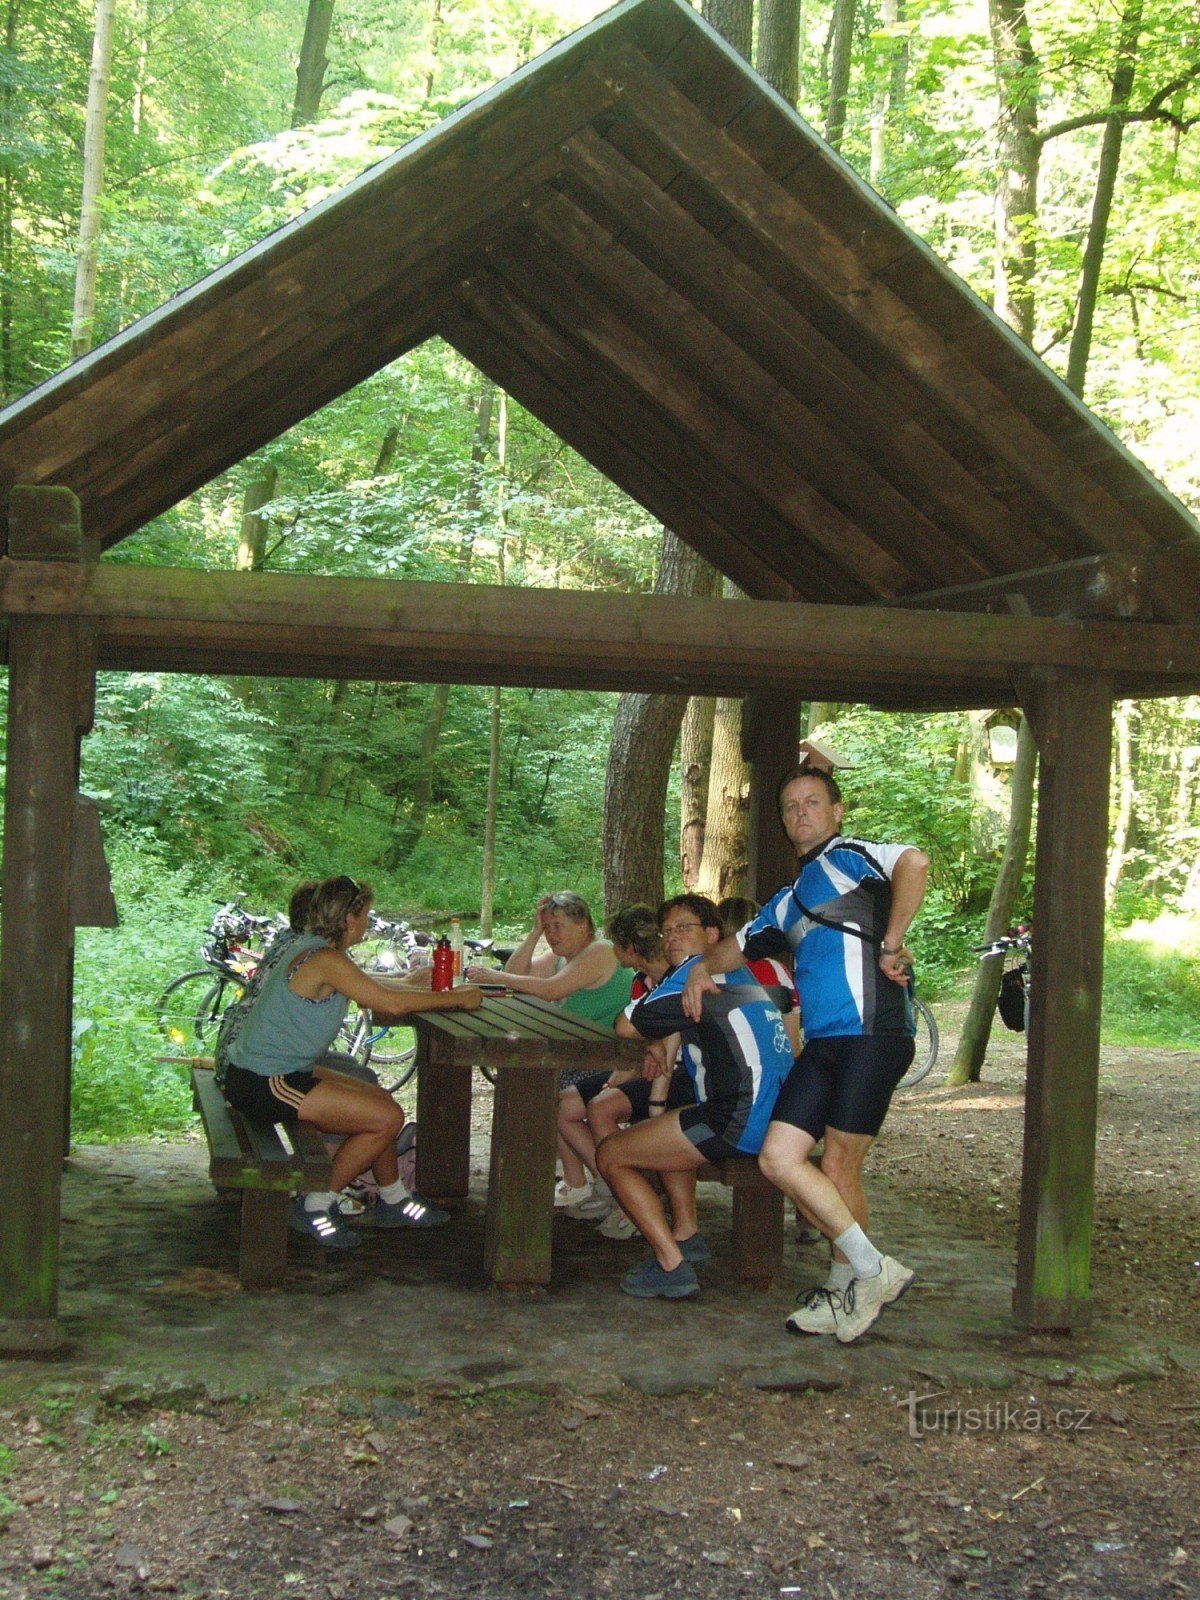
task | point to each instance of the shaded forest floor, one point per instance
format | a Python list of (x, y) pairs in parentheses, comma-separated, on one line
[(1033, 1466)]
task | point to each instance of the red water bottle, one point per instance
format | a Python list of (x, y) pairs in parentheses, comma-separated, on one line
[(443, 965)]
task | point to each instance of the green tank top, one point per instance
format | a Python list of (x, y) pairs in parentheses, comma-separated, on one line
[(604, 1004)]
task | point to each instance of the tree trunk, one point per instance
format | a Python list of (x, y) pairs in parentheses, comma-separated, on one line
[(1106, 183), (645, 729), (487, 892), (1119, 848), (310, 69), (408, 836), (977, 1029), (387, 451), (733, 20), (1017, 165), (252, 542), (7, 204), (323, 782), (777, 58), (435, 41), (841, 45), (145, 26), (83, 314), (695, 760), (725, 866), (889, 101)]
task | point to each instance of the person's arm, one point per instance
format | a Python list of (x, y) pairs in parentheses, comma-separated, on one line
[(909, 877), (521, 961), (334, 971), (726, 956), (658, 1067), (594, 965)]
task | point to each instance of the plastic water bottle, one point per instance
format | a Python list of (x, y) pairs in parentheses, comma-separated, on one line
[(456, 947)]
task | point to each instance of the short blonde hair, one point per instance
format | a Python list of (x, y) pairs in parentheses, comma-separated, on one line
[(332, 902)]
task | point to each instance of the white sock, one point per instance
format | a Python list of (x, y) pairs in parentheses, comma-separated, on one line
[(319, 1200), (394, 1193), (841, 1274), (859, 1252)]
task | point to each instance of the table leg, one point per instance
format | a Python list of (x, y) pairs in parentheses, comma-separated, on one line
[(444, 1120), (520, 1211)]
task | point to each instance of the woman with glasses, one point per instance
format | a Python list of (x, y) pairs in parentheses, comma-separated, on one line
[(582, 974), (278, 1071)]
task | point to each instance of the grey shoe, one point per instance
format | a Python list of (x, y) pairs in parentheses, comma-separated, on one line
[(411, 1213), (650, 1281), (326, 1227), (695, 1250)]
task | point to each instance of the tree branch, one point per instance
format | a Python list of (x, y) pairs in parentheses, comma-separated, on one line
[(1153, 111)]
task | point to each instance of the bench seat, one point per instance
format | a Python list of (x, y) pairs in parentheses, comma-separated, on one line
[(757, 1233)]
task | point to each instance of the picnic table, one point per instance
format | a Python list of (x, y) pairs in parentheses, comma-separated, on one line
[(525, 1043)]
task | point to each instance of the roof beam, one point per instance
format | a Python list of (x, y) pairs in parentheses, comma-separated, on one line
[(479, 633), (1095, 586)]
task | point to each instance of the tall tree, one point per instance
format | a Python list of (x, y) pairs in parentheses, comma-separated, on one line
[(841, 44), (733, 20), (87, 255), (1017, 165), (645, 729), (777, 55), (1106, 182), (726, 833), (891, 92), (311, 68), (695, 761)]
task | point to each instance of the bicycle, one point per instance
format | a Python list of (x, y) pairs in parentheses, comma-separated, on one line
[(361, 1038), (192, 1005), (1012, 1001), (926, 1053)]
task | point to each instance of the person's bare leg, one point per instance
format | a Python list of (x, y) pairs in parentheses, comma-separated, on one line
[(681, 1192), (842, 1164), (574, 1134), (370, 1121), (784, 1160), (608, 1111), (574, 1173), (624, 1158)]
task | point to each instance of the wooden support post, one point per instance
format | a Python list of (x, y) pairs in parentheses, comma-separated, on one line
[(48, 678), (520, 1212), (444, 1118), (770, 742), (1071, 716)]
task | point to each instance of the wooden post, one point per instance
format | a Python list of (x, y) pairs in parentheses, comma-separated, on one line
[(770, 742), (1071, 716), (49, 672)]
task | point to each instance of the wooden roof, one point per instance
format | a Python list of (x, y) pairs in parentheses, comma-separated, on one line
[(654, 254)]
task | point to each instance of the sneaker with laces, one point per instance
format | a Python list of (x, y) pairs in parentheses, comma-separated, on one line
[(695, 1250), (326, 1227), (865, 1298), (650, 1281), (817, 1311), (414, 1212), (896, 1279), (566, 1194), (594, 1209), (617, 1225)]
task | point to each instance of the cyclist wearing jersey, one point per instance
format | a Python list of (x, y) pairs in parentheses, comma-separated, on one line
[(844, 920)]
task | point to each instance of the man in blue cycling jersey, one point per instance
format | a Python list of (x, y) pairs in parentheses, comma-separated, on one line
[(737, 1053), (843, 920)]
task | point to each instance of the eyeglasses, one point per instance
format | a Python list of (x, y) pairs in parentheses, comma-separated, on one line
[(679, 927)]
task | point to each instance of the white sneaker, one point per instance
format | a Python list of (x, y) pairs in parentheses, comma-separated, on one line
[(566, 1195), (865, 1298), (617, 1225), (593, 1209), (818, 1311)]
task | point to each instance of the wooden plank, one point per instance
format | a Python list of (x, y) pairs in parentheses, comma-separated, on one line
[(499, 624), (793, 350), (743, 452), (637, 473), (756, 1235), (1097, 586), (1071, 715), (831, 265), (517, 1235), (444, 1117), (786, 430), (35, 969)]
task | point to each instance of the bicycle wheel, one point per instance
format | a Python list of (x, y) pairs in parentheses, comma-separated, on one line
[(389, 1049), (927, 1046), (403, 1063), (190, 1007), (354, 1035)]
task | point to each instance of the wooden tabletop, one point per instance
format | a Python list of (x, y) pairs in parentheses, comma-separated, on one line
[(517, 1030)]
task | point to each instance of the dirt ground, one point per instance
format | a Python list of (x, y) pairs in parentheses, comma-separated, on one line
[(838, 1488)]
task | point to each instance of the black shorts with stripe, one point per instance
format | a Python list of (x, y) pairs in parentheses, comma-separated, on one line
[(262, 1099)]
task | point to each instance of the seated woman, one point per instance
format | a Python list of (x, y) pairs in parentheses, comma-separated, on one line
[(582, 974), (276, 1071), (599, 1103)]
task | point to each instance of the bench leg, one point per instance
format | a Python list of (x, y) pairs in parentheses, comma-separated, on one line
[(757, 1235), (262, 1255), (444, 1120), (520, 1208)]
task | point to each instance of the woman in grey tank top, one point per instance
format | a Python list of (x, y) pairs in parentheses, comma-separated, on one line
[(277, 1072)]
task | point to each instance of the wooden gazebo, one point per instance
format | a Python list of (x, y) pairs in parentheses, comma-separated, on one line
[(644, 245)]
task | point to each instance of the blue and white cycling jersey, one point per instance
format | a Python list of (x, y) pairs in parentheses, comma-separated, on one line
[(845, 882), (737, 1055)]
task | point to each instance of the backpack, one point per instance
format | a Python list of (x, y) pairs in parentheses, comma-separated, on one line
[(234, 1018), (1010, 1002)]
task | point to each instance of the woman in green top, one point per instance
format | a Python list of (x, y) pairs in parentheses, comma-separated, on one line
[(581, 973)]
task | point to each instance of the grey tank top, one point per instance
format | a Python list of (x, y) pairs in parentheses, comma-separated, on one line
[(284, 1032)]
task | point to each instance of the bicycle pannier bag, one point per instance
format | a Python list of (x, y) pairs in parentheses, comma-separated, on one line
[(1011, 1001)]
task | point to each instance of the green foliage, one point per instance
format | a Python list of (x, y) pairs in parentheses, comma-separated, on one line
[(1152, 986)]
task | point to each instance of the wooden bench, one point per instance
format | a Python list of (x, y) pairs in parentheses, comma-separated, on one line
[(255, 1159), (757, 1233)]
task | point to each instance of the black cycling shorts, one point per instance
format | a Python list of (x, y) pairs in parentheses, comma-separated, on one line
[(637, 1092), (265, 1099), (845, 1083)]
